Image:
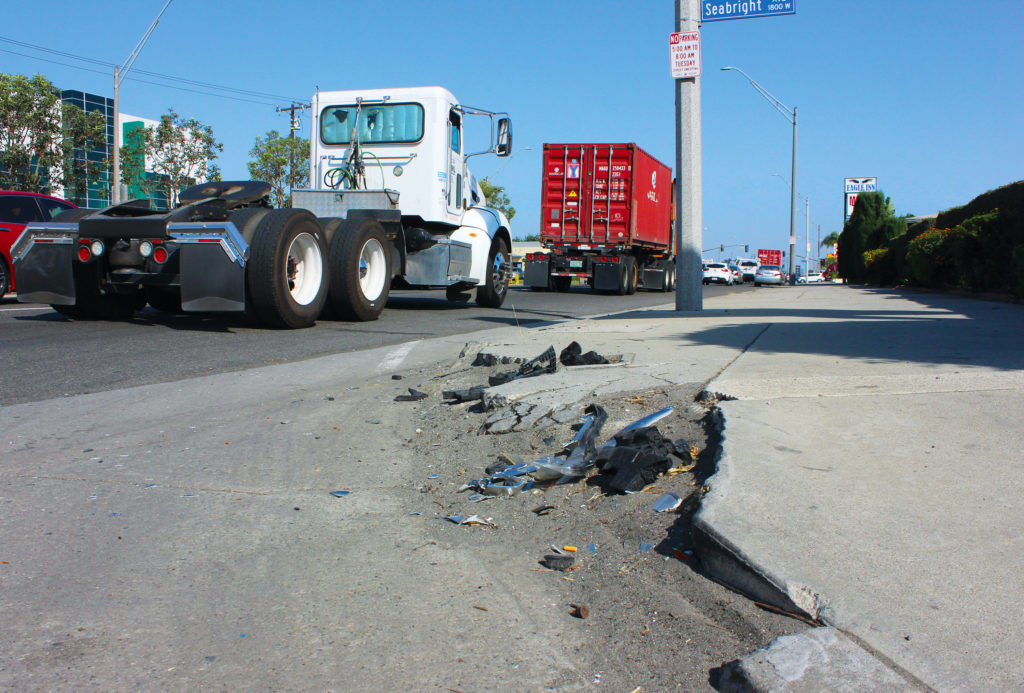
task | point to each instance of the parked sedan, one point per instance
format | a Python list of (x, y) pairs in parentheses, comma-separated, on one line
[(717, 273), (811, 278), (768, 274), (17, 209)]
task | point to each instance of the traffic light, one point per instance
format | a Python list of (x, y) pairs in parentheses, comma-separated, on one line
[(746, 249), (721, 248)]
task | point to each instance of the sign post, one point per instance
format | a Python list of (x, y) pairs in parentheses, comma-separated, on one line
[(689, 206)]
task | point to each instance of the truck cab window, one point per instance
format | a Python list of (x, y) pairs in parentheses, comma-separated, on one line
[(455, 127)]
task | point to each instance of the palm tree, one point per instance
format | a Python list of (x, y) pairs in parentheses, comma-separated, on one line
[(830, 240)]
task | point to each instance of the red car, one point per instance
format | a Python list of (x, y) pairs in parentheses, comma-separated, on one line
[(17, 209)]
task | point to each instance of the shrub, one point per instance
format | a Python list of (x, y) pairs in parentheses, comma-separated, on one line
[(879, 267)]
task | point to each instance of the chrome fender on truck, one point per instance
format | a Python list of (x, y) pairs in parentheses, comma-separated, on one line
[(480, 226)]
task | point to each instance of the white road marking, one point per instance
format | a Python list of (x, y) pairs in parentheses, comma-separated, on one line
[(11, 310), (395, 357)]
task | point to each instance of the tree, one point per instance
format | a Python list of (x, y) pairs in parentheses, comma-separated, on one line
[(281, 161), (872, 224), (829, 240), (182, 151), (29, 132), (497, 198), (82, 134), (43, 144), (133, 163)]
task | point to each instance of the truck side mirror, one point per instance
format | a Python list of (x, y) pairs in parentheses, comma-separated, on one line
[(504, 137)]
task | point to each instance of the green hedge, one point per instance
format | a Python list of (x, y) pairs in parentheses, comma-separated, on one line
[(977, 247)]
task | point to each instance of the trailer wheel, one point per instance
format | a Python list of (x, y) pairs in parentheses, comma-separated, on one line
[(669, 283), (5, 282), (491, 294), (361, 270), (287, 273), (562, 284)]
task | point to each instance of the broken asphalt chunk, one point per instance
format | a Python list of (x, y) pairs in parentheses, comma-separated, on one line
[(559, 561), (470, 395), (413, 396)]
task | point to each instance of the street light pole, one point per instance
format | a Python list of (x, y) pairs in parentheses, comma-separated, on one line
[(790, 115), (119, 75)]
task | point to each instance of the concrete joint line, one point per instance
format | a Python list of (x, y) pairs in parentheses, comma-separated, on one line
[(736, 358)]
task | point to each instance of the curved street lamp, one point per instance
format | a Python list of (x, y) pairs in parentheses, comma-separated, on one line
[(789, 115)]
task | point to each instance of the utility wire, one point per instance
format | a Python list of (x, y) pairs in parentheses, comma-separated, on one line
[(271, 98)]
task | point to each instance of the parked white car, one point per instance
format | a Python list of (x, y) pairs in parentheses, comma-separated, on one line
[(811, 278)]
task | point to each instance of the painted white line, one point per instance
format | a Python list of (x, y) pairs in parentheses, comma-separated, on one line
[(11, 310), (395, 357)]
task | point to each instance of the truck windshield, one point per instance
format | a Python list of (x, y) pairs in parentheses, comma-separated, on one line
[(392, 122)]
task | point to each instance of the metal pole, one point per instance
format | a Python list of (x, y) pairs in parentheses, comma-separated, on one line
[(689, 211), (792, 208), (119, 75), (807, 235), (115, 184)]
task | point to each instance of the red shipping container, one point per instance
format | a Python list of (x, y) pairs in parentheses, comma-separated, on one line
[(605, 195)]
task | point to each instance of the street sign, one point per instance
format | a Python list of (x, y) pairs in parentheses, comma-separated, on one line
[(717, 11), (769, 257), (684, 50)]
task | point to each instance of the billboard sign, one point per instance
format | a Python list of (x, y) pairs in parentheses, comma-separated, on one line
[(745, 9), (769, 257), (855, 186)]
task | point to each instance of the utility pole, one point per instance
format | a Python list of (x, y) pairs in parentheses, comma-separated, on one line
[(119, 75), (689, 191), (291, 136)]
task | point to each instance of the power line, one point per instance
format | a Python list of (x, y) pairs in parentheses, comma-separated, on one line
[(271, 98)]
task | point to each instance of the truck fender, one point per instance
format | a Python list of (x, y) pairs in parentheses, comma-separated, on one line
[(480, 226)]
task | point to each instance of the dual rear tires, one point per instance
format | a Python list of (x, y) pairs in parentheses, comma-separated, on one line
[(287, 276)]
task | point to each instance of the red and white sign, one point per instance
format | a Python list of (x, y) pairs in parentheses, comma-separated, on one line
[(684, 49), (769, 257)]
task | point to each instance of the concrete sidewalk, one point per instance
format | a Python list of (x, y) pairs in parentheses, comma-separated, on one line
[(870, 473)]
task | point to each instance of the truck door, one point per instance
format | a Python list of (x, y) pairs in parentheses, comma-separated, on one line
[(456, 164)]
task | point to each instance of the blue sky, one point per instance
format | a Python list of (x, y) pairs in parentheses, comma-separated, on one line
[(927, 96)]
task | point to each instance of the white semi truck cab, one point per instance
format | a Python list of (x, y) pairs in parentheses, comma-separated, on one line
[(391, 203)]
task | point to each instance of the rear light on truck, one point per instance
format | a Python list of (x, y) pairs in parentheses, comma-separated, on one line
[(87, 249), (145, 249), (608, 258), (160, 255)]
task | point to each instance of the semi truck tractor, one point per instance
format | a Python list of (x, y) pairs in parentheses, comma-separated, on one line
[(606, 220), (391, 203)]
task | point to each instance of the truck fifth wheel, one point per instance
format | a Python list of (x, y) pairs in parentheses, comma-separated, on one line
[(392, 203)]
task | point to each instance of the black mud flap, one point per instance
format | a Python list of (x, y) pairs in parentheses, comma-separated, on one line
[(607, 276), (45, 274), (210, 280)]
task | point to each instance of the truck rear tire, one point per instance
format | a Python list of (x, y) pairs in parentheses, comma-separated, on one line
[(360, 270), (670, 279), (562, 284), (287, 276), (631, 276), (5, 281), (491, 294)]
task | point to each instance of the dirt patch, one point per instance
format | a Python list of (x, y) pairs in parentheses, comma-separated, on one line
[(652, 620)]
